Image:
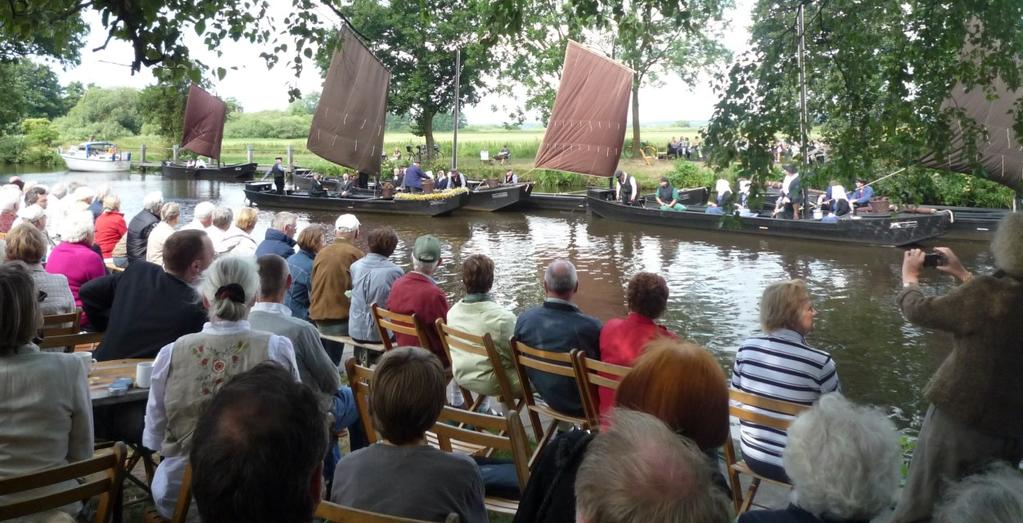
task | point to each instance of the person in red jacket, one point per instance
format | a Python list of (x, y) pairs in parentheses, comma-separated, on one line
[(622, 339), (417, 292), (110, 226)]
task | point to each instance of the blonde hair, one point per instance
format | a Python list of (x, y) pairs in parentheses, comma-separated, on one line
[(780, 304), (111, 202), (170, 211), (26, 243), (246, 218), (240, 270)]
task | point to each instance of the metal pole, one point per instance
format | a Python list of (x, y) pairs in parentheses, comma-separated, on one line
[(458, 81), (802, 91), (291, 158)]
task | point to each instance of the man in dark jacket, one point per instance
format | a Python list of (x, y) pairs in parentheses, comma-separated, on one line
[(414, 177), (141, 225), (559, 326), (147, 306), (279, 237)]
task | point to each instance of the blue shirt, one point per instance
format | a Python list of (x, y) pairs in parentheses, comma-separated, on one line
[(414, 176), (862, 195), (297, 298), (276, 242)]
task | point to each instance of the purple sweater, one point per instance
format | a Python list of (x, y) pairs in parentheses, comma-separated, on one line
[(79, 263)]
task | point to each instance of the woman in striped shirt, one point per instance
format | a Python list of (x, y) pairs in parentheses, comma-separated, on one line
[(780, 365)]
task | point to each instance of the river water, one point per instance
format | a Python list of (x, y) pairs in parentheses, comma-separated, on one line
[(715, 280)]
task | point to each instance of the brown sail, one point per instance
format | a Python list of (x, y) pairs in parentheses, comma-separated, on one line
[(204, 123), (587, 126), (348, 127)]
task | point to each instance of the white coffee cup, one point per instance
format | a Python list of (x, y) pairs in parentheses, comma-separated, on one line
[(144, 374), (87, 361)]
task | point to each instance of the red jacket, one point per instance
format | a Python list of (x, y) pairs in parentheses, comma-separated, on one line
[(110, 227), (621, 342), (417, 293)]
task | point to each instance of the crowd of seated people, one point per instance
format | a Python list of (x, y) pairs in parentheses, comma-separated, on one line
[(226, 341)]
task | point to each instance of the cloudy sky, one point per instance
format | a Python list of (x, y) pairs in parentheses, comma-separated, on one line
[(258, 89)]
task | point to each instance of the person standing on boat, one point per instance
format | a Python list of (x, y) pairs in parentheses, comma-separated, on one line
[(414, 177), (626, 189), (791, 193), (277, 171), (862, 195), (667, 196)]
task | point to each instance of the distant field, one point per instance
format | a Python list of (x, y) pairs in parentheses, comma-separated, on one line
[(522, 143)]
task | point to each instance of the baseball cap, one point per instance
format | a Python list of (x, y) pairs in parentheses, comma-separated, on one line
[(346, 222), (427, 249)]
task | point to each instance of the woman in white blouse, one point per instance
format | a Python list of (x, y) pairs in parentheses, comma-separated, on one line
[(45, 411), (188, 372)]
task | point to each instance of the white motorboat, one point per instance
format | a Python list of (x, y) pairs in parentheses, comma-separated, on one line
[(97, 157)]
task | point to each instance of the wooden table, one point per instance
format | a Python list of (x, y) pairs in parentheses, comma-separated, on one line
[(105, 372)]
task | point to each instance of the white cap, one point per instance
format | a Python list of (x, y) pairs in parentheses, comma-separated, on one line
[(347, 223)]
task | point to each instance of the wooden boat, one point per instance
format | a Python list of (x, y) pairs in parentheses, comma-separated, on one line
[(493, 198), (576, 201), (888, 230), (972, 223), (262, 194), (237, 171)]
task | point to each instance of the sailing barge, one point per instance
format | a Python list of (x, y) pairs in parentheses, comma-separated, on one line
[(205, 115), (262, 194)]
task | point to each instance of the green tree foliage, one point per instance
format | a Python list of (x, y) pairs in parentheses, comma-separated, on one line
[(268, 124), (72, 93), (39, 131), (28, 90), (417, 42), (877, 76), (305, 105), (163, 107), (103, 114), (51, 28)]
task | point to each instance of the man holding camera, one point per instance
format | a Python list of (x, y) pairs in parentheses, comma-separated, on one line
[(976, 396)]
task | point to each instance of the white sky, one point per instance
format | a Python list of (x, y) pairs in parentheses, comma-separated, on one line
[(259, 89)]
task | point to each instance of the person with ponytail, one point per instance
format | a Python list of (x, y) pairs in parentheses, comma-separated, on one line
[(190, 371)]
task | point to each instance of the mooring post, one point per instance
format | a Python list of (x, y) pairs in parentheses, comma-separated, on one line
[(174, 153), (291, 158), (142, 154), (248, 153)]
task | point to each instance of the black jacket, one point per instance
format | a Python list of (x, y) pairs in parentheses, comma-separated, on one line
[(138, 234), (550, 493), (140, 310)]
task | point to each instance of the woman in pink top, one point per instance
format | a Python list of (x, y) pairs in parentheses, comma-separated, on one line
[(622, 339), (74, 256)]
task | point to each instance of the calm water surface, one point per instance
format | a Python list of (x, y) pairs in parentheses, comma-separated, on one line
[(715, 280)]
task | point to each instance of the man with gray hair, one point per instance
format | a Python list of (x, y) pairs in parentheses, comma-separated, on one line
[(418, 293), (220, 221), (280, 237), (843, 462), (639, 471), (559, 326), (995, 496), (202, 217), (332, 278), (141, 225)]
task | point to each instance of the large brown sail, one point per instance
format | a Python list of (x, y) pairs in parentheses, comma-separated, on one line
[(204, 123), (587, 125), (348, 127)]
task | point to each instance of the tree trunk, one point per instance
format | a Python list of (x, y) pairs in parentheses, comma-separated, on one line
[(637, 146), (427, 126)]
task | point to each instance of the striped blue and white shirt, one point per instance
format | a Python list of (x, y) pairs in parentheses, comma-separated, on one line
[(779, 365)]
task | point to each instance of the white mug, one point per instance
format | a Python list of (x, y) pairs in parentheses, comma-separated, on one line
[(144, 374), (87, 361)]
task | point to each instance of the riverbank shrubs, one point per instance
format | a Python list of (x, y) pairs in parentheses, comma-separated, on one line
[(35, 144), (268, 124), (103, 114)]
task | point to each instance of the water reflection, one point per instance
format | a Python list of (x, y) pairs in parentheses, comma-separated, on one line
[(715, 280)]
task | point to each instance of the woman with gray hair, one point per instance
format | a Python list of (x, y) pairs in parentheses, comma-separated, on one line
[(170, 214), (74, 257), (188, 372), (995, 496), (843, 461)]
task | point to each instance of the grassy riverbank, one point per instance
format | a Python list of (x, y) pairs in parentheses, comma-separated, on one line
[(522, 143)]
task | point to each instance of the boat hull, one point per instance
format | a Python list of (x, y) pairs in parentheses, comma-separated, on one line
[(891, 230), (238, 171), (261, 194), (489, 199), (95, 164)]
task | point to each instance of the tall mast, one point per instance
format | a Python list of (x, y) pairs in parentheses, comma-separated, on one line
[(458, 77), (802, 90)]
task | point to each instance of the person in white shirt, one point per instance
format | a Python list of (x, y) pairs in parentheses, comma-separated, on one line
[(170, 214), (202, 216), (238, 238), (219, 223), (188, 372)]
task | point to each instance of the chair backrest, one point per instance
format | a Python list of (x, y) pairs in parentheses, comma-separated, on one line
[(58, 324), (98, 476), (398, 323), (181, 506), (333, 513), (452, 338), (556, 363), (69, 341), (359, 378), (596, 374), (761, 402), (505, 433)]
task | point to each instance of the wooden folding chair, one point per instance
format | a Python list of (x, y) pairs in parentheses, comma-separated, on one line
[(738, 467), (70, 341), (332, 513), (398, 323), (98, 476), (557, 363), (478, 434), (181, 506), (596, 374), (62, 324), (452, 338), (359, 379)]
